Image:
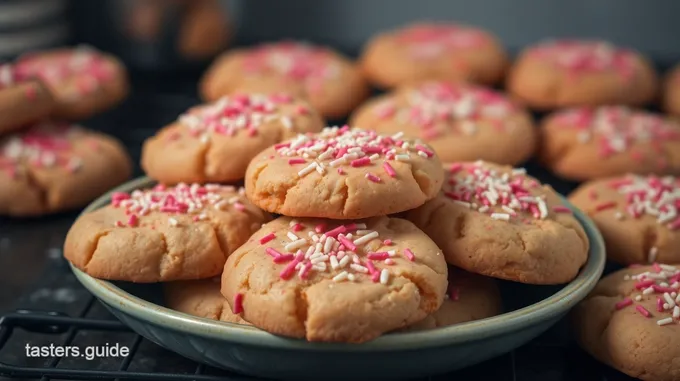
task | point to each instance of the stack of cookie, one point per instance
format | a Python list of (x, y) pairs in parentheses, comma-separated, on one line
[(47, 163)]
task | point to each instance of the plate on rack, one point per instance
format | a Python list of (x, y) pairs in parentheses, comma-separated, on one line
[(530, 311)]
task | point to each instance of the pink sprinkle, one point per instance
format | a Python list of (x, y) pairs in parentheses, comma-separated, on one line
[(301, 110), (284, 258), (281, 145), (659, 304), (390, 171), (675, 224), (297, 161), (561, 209), (238, 303), (31, 93), (273, 252), (424, 149), (119, 224), (373, 177), (351, 227), (348, 244), (656, 267), (297, 227), (341, 171), (267, 238), (240, 207), (333, 233), (661, 290), (624, 303), (378, 256), (643, 311), (605, 205), (409, 254), (371, 267), (592, 194), (644, 284), (455, 167), (320, 228), (361, 162), (132, 221), (289, 270), (387, 242), (304, 274)]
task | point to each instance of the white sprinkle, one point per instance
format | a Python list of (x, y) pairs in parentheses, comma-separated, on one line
[(328, 245), (340, 277), (320, 168), (519, 171), (391, 253), (666, 306), (358, 268), (422, 154), (676, 312), (204, 139), (638, 298), (315, 238), (320, 267), (668, 267), (500, 216), (351, 277), (398, 135), (319, 259), (309, 252), (362, 232), (462, 203), (361, 226), (677, 299), (287, 122), (292, 236), (665, 321), (338, 162), (405, 158), (618, 215), (508, 209), (173, 222), (355, 259), (301, 272), (307, 170), (374, 157), (389, 261), (334, 262), (484, 209), (384, 276), (648, 291), (365, 239), (651, 258), (295, 245), (543, 209), (344, 261)]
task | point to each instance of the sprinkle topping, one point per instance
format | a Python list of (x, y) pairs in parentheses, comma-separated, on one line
[(84, 62), (617, 129), (651, 196), (345, 252), (586, 56), (426, 41), (344, 147), (232, 114), (44, 145), (662, 283), (436, 107), (183, 199), (504, 196), (297, 61)]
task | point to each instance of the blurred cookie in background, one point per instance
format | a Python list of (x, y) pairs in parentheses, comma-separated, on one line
[(563, 73), (22, 103), (434, 51), (671, 92), (30, 25)]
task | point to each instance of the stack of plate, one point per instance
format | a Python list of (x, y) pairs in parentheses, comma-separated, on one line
[(27, 25)]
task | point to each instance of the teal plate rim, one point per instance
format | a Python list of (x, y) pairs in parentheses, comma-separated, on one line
[(551, 307)]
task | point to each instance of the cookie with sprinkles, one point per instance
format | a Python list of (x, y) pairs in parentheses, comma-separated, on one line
[(461, 122), (82, 80), (163, 233), (215, 142), (638, 216), (329, 280), (344, 173), (630, 321), (55, 166), (498, 221), (671, 92), (565, 73), (589, 143), (23, 103), (434, 51), (331, 82), (200, 298), (469, 297)]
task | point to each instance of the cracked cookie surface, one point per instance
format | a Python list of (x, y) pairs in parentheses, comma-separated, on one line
[(469, 297), (200, 298), (461, 122), (331, 82), (344, 173), (566, 73), (434, 51), (215, 142), (497, 221), (163, 234), (637, 216), (630, 322), (51, 167), (589, 143), (328, 280)]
